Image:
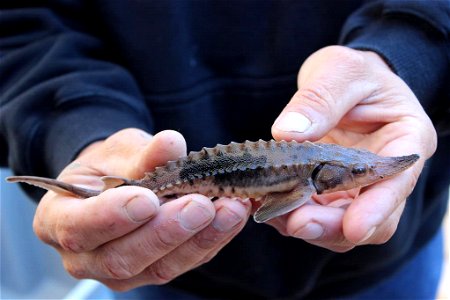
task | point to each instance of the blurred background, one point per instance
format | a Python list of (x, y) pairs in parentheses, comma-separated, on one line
[(29, 268), (32, 270)]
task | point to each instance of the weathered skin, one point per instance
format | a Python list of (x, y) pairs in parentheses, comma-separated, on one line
[(282, 175)]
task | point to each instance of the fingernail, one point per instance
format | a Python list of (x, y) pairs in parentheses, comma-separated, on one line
[(140, 208), (370, 232), (226, 219), (310, 231), (293, 122), (194, 215)]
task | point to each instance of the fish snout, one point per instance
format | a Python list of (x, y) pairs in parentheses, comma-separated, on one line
[(390, 166)]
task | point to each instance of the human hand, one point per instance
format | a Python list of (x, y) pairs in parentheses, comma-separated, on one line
[(352, 98), (122, 237)]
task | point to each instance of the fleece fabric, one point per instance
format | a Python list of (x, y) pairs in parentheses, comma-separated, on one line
[(74, 72)]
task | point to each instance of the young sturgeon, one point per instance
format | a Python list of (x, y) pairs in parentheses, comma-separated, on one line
[(282, 175)]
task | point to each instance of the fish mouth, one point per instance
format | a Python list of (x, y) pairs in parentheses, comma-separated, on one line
[(390, 166)]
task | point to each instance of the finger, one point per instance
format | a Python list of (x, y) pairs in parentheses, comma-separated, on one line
[(78, 226), (380, 200), (336, 199), (313, 222), (224, 225), (230, 218), (374, 206), (117, 154), (279, 223), (386, 230), (319, 225), (331, 82), (164, 146), (132, 152), (176, 222)]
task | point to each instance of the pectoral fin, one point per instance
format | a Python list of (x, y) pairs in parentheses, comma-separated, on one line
[(277, 204)]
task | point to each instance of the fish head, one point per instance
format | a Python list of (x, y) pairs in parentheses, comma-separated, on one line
[(341, 175)]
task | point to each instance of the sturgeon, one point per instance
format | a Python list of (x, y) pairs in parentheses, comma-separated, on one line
[(281, 175)]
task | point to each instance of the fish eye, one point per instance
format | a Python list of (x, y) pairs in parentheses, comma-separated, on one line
[(359, 170)]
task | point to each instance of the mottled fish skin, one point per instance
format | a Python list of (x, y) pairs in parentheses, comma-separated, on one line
[(260, 164), (283, 175), (236, 169)]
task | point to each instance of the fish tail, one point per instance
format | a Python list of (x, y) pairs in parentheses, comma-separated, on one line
[(54, 185)]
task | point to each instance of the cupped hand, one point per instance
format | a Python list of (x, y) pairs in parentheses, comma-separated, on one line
[(353, 98), (123, 237)]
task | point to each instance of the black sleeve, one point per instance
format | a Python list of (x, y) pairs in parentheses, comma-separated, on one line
[(413, 37), (60, 89)]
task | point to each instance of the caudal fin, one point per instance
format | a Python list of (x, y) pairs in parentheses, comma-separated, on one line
[(55, 186)]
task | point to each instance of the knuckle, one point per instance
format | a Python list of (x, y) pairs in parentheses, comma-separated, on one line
[(317, 97), (166, 238), (432, 146), (113, 265), (117, 138), (345, 56), (75, 270), (382, 239), (68, 234), (427, 136), (68, 239), (160, 273), (385, 235), (207, 240), (411, 184), (397, 196), (40, 231), (40, 227), (207, 258), (120, 134), (117, 285)]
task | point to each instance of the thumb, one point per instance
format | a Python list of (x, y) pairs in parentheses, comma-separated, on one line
[(331, 82), (164, 146)]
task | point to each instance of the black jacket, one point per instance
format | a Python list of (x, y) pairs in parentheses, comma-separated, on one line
[(73, 72)]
